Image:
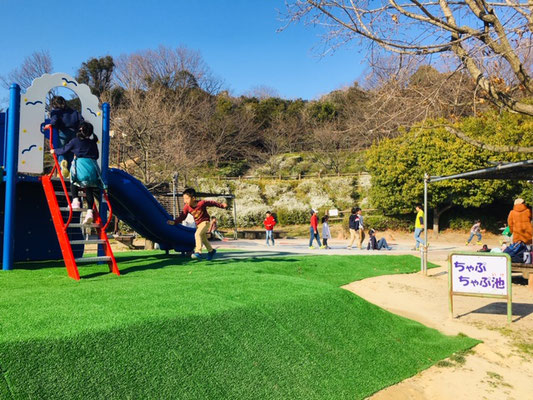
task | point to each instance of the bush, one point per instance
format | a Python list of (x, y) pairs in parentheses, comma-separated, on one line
[(292, 217)]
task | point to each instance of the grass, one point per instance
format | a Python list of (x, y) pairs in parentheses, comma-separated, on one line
[(169, 328)]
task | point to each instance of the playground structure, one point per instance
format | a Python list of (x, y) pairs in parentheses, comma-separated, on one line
[(39, 223)]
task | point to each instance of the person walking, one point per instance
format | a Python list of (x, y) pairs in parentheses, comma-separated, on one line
[(475, 231), (353, 226), (326, 234), (313, 229), (419, 226)]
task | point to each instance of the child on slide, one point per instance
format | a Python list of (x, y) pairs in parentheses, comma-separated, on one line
[(84, 171), (198, 209)]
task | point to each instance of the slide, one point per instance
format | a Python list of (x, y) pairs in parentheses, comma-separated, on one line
[(136, 206)]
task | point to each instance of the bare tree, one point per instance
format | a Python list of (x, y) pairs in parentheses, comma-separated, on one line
[(153, 135), (179, 68), (488, 39), (262, 92), (33, 66)]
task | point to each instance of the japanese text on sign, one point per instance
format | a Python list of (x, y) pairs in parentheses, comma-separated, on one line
[(479, 274)]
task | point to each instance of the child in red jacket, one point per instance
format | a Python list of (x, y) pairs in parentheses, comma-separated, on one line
[(269, 223)]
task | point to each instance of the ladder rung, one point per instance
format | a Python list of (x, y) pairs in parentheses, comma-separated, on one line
[(92, 259), (84, 226), (90, 241), (63, 193), (74, 210)]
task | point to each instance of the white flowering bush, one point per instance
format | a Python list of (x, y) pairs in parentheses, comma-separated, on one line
[(273, 191), (291, 201), (251, 207), (343, 191)]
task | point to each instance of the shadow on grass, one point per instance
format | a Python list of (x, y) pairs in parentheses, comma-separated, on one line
[(132, 262), (500, 308)]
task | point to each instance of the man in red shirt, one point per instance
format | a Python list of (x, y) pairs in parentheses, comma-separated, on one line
[(269, 223), (313, 230), (198, 209)]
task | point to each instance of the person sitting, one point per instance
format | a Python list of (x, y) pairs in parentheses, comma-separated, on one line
[(213, 230), (374, 244)]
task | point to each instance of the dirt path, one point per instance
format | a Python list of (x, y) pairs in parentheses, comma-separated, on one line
[(499, 368)]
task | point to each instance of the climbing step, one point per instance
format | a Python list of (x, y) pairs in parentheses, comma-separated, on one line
[(84, 226), (74, 210), (90, 241), (86, 260)]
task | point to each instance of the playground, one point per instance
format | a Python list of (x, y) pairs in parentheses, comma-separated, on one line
[(276, 323)]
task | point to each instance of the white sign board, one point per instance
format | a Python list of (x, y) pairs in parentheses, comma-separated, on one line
[(479, 274), (333, 212)]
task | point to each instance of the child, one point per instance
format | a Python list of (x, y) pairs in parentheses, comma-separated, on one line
[(374, 244), (66, 122), (213, 229), (475, 230), (198, 209), (269, 223), (326, 234), (84, 172), (313, 229)]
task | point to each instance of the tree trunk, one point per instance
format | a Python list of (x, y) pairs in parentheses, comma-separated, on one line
[(437, 212)]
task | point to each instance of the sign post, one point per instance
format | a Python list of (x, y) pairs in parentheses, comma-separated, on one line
[(480, 275)]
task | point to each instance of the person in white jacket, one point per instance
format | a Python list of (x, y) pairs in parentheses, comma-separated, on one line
[(326, 234)]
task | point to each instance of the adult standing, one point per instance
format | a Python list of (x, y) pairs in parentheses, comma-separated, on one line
[(313, 229), (419, 226), (353, 226), (519, 221)]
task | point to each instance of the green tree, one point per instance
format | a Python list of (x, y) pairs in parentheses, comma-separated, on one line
[(397, 167), (97, 73)]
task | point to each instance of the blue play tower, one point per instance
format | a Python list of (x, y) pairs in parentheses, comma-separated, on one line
[(28, 232)]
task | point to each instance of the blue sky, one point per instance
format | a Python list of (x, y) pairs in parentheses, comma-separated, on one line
[(236, 38)]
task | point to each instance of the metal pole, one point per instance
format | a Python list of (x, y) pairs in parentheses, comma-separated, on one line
[(104, 162), (13, 123), (235, 236), (425, 255), (174, 184)]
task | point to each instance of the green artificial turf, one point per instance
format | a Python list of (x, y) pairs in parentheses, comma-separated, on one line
[(171, 328)]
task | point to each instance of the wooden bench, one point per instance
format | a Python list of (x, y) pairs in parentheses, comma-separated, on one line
[(126, 240), (527, 272), (255, 234)]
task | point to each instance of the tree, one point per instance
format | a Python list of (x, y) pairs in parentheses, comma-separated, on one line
[(97, 73), (33, 66), (179, 68), (489, 40), (430, 149)]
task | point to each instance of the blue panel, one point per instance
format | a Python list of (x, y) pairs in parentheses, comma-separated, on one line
[(3, 128)]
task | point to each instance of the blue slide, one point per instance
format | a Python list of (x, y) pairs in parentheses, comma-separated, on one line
[(136, 206)]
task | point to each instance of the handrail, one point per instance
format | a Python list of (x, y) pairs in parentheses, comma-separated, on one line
[(58, 169), (110, 216)]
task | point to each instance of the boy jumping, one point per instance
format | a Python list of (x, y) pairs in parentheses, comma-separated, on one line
[(198, 209)]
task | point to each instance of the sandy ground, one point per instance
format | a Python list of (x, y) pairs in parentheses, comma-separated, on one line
[(499, 368)]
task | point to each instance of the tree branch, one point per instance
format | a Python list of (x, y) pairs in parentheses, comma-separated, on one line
[(489, 147)]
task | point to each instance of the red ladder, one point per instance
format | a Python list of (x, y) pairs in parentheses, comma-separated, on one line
[(62, 227)]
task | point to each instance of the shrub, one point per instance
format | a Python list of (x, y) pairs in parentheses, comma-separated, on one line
[(292, 217)]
